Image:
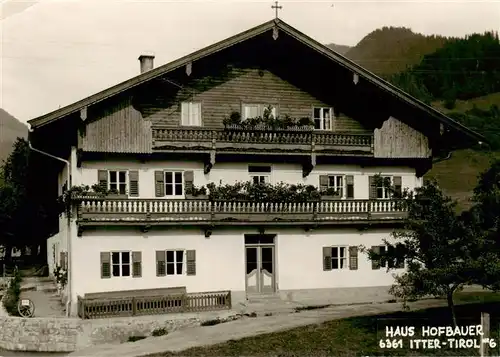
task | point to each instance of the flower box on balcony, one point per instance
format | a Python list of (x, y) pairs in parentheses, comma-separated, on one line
[(330, 197), (198, 197), (117, 196), (263, 127)]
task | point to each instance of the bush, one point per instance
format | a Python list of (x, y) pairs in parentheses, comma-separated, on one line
[(12, 294), (136, 338)]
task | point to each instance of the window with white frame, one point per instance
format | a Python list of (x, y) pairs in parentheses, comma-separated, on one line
[(118, 181), (259, 174), (174, 183), (257, 110), (339, 257), (383, 186), (336, 183), (174, 262), (394, 263), (191, 114), (120, 264), (323, 118)]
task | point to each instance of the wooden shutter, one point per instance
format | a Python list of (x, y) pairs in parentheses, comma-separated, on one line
[(136, 264), (323, 183), (188, 182), (353, 258), (372, 188), (191, 262), (161, 257), (133, 177), (159, 184), (185, 113), (102, 178), (327, 258), (396, 181), (105, 265), (61, 259), (349, 184), (376, 262)]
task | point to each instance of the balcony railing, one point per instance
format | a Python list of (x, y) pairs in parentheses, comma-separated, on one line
[(292, 139), (163, 211)]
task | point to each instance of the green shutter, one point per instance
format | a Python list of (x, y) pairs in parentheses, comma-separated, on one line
[(372, 188), (349, 182), (159, 183), (102, 179), (376, 262), (105, 265), (396, 181), (133, 177), (161, 257), (353, 258), (327, 258), (191, 262), (323, 183), (188, 182), (136, 264)]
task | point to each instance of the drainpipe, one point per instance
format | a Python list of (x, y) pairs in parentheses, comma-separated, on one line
[(68, 232)]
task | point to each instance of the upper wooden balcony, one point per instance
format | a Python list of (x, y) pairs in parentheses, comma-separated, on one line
[(106, 211), (296, 140)]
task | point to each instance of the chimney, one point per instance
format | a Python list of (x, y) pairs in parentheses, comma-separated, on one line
[(147, 62)]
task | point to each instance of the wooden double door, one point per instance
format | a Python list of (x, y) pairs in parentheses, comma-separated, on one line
[(260, 265)]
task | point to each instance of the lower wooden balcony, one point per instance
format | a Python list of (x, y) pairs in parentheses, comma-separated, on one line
[(196, 212)]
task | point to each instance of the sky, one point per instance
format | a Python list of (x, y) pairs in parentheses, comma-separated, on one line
[(56, 52)]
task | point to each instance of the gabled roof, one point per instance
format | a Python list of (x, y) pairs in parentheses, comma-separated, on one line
[(243, 36)]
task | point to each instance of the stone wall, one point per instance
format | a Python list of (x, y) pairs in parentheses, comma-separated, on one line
[(71, 334)]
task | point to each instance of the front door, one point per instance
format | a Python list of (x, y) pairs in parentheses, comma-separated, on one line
[(260, 268)]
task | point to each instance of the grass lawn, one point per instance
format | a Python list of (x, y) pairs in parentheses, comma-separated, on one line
[(358, 336)]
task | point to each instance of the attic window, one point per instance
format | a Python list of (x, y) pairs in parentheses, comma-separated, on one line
[(251, 111)]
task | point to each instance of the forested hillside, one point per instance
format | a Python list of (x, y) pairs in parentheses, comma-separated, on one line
[(10, 130), (391, 50), (459, 76)]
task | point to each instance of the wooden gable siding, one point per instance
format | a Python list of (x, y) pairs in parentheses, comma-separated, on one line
[(116, 127), (396, 139), (248, 86)]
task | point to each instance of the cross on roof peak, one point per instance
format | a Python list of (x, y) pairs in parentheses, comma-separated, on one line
[(276, 7)]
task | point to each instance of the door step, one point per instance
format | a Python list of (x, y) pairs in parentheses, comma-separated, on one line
[(263, 298)]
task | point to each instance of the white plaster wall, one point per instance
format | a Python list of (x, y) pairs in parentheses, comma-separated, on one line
[(54, 243), (228, 173), (220, 260), (300, 259)]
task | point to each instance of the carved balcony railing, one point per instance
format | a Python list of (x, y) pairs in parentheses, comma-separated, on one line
[(256, 139), (196, 211)]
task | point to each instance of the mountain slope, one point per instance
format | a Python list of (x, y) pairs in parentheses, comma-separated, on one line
[(391, 50), (342, 49), (10, 130)]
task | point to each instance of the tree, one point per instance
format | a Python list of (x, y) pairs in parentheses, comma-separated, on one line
[(443, 252), (22, 210)]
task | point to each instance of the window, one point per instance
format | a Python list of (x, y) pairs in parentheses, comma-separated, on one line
[(120, 264), (336, 183), (383, 186), (323, 118), (339, 257), (190, 114), (169, 262), (174, 183), (257, 110), (174, 263), (395, 263), (336, 258), (118, 181), (260, 174)]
